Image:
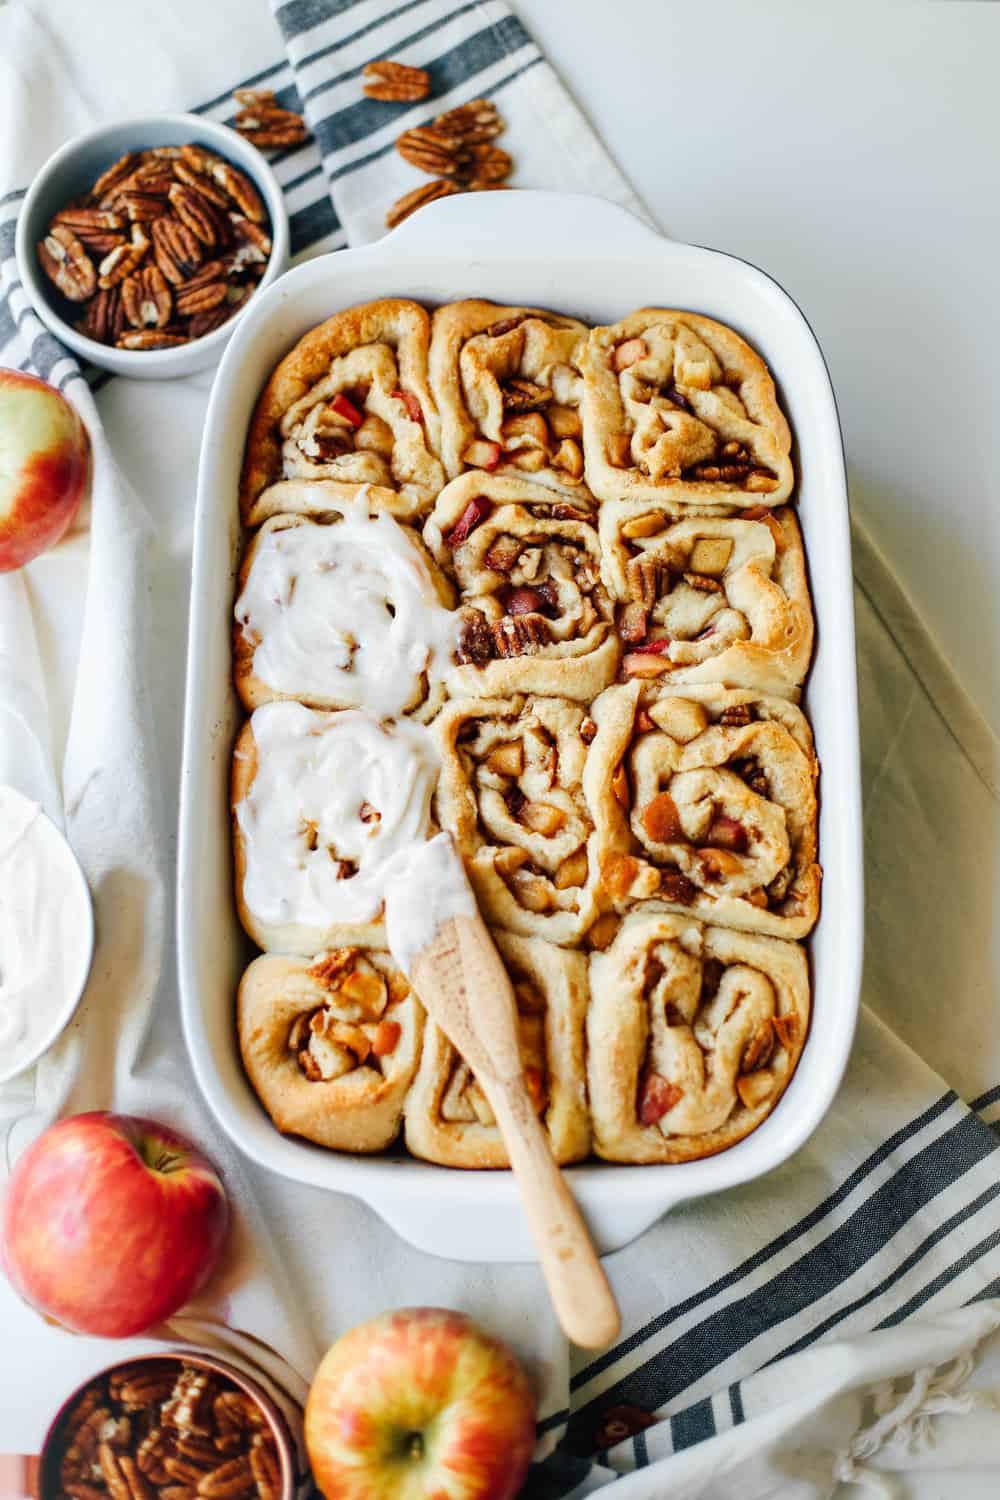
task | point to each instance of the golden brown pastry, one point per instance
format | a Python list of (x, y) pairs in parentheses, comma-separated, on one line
[(510, 790), (680, 411), (704, 801), (331, 1045), (447, 1118), (346, 612), (507, 384), (536, 617), (693, 1035), (322, 802), (710, 598), (349, 404)]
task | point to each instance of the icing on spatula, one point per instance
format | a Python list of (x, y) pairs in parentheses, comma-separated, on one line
[(439, 940)]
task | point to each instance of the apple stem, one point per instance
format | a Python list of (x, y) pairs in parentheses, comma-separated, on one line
[(416, 1445)]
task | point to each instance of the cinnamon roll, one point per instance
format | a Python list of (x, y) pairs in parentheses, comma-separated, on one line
[(710, 598), (536, 617), (447, 1118), (343, 614), (321, 804), (693, 1034), (704, 802), (330, 1045), (349, 404), (678, 410), (507, 384), (511, 793)]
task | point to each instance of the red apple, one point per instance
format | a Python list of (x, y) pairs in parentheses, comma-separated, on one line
[(111, 1223), (44, 467), (420, 1404)]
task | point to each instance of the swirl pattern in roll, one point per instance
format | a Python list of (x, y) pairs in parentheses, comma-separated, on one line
[(510, 790), (330, 1045), (704, 801), (349, 404), (346, 613), (693, 1034), (536, 617), (709, 598), (448, 1119), (681, 411), (507, 384), (321, 804)]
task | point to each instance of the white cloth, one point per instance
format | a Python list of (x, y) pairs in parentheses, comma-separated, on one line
[(888, 1216)]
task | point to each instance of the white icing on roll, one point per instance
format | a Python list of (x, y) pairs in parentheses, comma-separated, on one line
[(334, 798), (427, 884), (348, 613)]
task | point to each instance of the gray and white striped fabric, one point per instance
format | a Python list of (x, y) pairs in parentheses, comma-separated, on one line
[(892, 1211)]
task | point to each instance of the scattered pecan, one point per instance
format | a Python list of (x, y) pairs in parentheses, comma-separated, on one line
[(475, 642), (427, 192), (198, 299), (123, 260), (486, 164), (676, 886), (92, 220), (736, 715), (140, 208), (116, 174), (435, 151), (703, 583), (104, 317), (122, 1475), (177, 251), (66, 263), (151, 338), (265, 123), (201, 217), (227, 1481), (202, 184), (395, 81), (520, 635), (475, 122)]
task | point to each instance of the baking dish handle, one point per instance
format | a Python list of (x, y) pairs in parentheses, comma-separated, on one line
[(548, 222)]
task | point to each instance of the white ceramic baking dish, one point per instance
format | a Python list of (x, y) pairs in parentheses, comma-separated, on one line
[(585, 257)]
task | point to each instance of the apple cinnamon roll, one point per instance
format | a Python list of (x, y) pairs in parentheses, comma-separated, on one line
[(511, 793), (678, 410), (693, 1034), (704, 802), (536, 617), (507, 384), (321, 805), (330, 1045), (349, 404), (344, 613), (447, 1118), (711, 598)]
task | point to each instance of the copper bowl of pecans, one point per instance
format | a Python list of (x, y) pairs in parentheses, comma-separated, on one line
[(174, 1426), (141, 243)]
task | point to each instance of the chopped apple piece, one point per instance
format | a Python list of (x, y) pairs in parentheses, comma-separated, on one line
[(754, 1088), (710, 554), (542, 817), (620, 788), (386, 1038), (508, 759), (573, 871), (603, 932), (681, 718), (564, 422), (648, 524), (342, 407), (481, 454), (728, 833), (619, 450), (477, 510), (569, 458), (413, 408), (657, 1096)]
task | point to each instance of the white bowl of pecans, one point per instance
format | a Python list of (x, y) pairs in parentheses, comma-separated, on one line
[(141, 242), (165, 1424)]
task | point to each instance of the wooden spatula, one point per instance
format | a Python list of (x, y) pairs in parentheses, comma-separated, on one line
[(440, 941)]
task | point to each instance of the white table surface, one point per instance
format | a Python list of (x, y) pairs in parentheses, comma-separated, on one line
[(853, 154)]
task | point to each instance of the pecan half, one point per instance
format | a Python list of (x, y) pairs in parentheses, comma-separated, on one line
[(520, 635), (435, 151), (475, 122), (201, 217), (263, 1459), (146, 298), (104, 317), (141, 208), (265, 122), (178, 253), (226, 1482), (88, 219), (736, 715), (487, 164), (151, 1455), (703, 583), (524, 395), (394, 81), (122, 1475), (198, 299), (114, 176), (151, 338), (427, 192), (123, 260), (66, 263)]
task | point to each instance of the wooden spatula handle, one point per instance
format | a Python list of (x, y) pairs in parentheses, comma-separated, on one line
[(583, 1300)]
